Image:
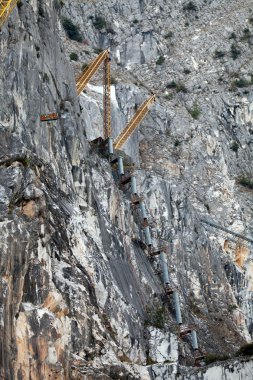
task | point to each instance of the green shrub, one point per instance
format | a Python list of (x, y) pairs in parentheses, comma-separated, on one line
[(187, 71), (241, 82), (246, 182), (159, 318), (232, 307), (98, 50), (235, 52), (251, 20), (194, 111), (72, 30), (172, 84), (160, 60), (26, 161), (219, 54), (113, 80), (232, 36), (73, 57), (179, 87), (168, 35), (211, 358), (234, 147), (150, 361), (246, 350), (99, 22), (156, 317), (135, 21), (190, 6), (168, 96), (246, 35)]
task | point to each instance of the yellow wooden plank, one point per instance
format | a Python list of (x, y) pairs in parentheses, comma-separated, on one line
[(6, 7), (133, 123)]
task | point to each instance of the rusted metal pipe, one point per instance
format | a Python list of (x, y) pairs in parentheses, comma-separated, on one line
[(177, 307), (110, 146), (133, 185), (164, 267), (143, 210), (148, 236), (120, 166), (195, 345)]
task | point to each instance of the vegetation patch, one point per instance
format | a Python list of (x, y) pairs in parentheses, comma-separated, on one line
[(168, 35), (211, 358), (177, 142), (187, 71), (113, 80), (98, 50), (234, 147), (160, 60), (245, 350), (232, 307), (124, 358), (232, 36), (194, 111), (190, 6), (156, 318), (242, 82), (235, 52), (172, 84), (246, 35), (246, 182), (73, 56), (150, 361), (26, 161), (219, 54), (99, 22), (179, 87), (71, 29), (168, 96)]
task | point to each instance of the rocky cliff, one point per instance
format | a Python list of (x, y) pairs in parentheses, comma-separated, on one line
[(80, 296)]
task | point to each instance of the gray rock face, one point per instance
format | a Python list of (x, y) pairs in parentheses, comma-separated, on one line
[(240, 369), (80, 297)]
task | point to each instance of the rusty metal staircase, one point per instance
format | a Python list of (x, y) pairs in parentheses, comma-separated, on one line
[(160, 252)]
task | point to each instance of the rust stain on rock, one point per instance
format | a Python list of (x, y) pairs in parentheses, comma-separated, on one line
[(226, 245), (29, 209), (56, 304), (241, 254)]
